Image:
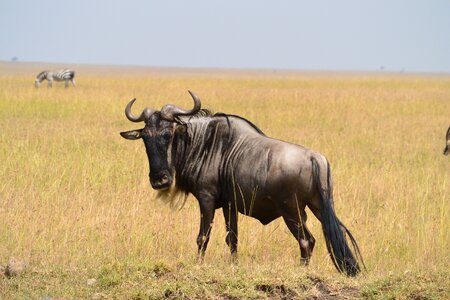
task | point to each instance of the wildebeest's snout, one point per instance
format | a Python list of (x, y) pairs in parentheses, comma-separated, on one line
[(161, 180)]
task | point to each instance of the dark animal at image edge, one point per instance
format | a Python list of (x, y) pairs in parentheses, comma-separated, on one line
[(226, 162), (447, 142)]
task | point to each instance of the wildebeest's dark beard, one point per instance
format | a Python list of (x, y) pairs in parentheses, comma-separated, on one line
[(173, 196)]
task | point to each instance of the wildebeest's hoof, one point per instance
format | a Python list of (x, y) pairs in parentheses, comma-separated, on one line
[(304, 261)]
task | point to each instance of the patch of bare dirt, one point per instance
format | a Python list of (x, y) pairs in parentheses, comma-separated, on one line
[(277, 291), (323, 291)]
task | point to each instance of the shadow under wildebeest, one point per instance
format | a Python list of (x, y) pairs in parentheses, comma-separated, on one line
[(227, 162)]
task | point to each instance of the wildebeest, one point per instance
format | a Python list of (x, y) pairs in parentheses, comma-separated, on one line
[(447, 142), (65, 75), (226, 162)]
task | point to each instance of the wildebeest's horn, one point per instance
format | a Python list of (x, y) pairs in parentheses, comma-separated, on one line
[(145, 115), (169, 111)]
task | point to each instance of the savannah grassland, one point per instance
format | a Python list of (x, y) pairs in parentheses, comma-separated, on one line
[(76, 204)]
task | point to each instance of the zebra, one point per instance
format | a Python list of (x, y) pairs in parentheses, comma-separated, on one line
[(61, 75)]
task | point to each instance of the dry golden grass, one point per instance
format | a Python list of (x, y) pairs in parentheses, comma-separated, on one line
[(75, 202)]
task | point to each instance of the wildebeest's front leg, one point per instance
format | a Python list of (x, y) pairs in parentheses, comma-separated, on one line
[(230, 214), (207, 210)]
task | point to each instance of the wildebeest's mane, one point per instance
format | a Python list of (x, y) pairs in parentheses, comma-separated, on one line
[(241, 118), (202, 113), (208, 113), (196, 147)]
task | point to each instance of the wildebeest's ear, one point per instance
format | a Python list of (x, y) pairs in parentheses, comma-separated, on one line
[(132, 134), (181, 128)]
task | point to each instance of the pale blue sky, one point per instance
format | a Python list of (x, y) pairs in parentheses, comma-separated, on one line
[(306, 35)]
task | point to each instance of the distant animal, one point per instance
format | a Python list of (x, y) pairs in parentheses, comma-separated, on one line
[(61, 75), (447, 142), (227, 162)]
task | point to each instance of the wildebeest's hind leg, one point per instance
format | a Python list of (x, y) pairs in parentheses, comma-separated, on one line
[(296, 222), (207, 210), (231, 216)]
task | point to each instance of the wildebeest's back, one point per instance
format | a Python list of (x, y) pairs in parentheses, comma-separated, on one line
[(265, 172)]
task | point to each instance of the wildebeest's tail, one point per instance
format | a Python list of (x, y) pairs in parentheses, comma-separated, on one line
[(332, 227)]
